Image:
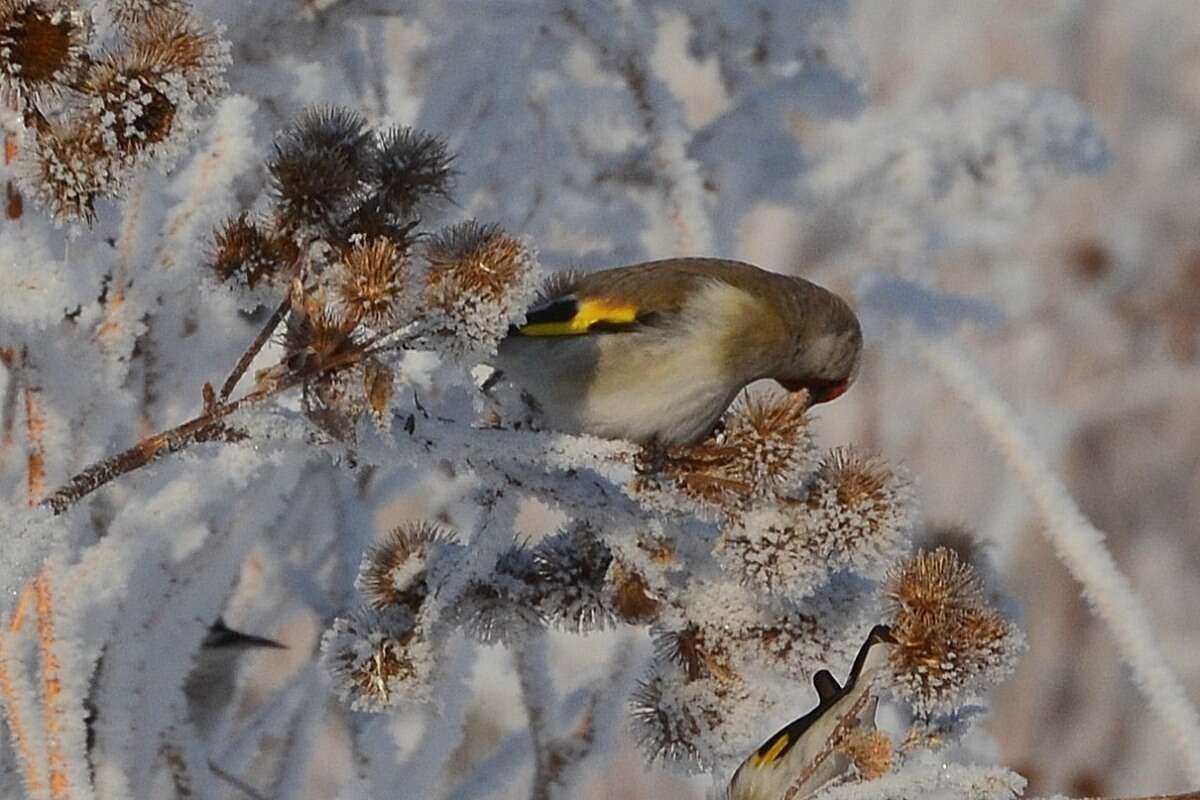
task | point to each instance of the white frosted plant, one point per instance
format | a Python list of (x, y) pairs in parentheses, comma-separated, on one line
[(296, 300), (752, 563)]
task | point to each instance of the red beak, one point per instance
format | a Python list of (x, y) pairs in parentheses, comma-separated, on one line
[(820, 391)]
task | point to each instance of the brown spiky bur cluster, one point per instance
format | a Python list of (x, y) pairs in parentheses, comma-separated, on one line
[(763, 449), (565, 581), (248, 253), (383, 653), (379, 659), (397, 572), (870, 751), (719, 651), (855, 514), (339, 243), (96, 114), (40, 48), (950, 642), (479, 282)]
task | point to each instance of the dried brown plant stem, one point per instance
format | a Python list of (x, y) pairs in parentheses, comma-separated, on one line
[(35, 430), (56, 760), (8, 697), (264, 335), (206, 427)]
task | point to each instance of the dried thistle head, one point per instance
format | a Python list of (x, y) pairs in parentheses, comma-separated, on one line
[(569, 570), (472, 259), (630, 595), (856, 515), (502, 606), (40, 46), (697, 724), (396, 573), (135, 104), (862, 506), (245, 253), (949, 641), (319, 336), (410, 167), (170, 42), (143, 95), (764, 447), (68, 168), (129, 12), (699, 651), (372, 280), (318, 168), (870, 750), (378, 659), (478, 280)]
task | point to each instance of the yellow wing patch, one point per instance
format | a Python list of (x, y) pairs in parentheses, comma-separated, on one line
[(777, 747), (588, 314)]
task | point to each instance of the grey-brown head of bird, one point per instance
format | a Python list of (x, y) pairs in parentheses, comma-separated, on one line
[(827, 348)]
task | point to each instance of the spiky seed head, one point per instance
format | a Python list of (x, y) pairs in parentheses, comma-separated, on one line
[(318, 167), (245, 253), (857, 514), (694, 649), (131, 12), (472, 260), (410, 167), (949, 641), (395, 573), (479, 280), (862, 507), (40, 46), (630, 595), (377, 659), (69, 168), (319, 336), (764, 448), (502, 607), (168, 40), (569, 569), (870, 750), (135, 103), (934, 583), (372, 280), (693, 723)]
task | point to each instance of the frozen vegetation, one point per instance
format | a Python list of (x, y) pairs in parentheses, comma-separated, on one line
[(256, 256)]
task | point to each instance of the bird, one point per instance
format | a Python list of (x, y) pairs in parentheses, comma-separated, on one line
[(781, 762), (209, 686), (656, 352)]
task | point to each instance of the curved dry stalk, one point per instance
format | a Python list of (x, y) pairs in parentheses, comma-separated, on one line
[(1081, 547), (264, 335)]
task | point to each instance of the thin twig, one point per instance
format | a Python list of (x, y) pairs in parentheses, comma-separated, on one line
[(8, 698), (206, 427), (56, 760), (264, 335), (35, 430), (236, 782)]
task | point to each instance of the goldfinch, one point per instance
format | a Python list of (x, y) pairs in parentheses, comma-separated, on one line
[(655, 352), (789, 759)]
